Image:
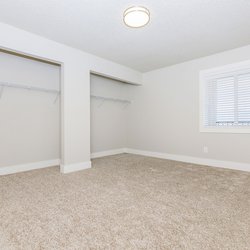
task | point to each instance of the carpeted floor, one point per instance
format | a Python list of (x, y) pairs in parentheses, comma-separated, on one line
[(126, 202)]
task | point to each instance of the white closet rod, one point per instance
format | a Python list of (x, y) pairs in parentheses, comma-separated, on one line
[(110, 99), (21, 86)]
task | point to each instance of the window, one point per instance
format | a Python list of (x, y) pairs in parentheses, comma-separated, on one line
[(225, 99)]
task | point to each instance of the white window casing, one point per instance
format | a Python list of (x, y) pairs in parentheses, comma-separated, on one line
[(225, 99)]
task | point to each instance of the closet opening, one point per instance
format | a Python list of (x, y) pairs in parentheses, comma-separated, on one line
[(30, 112), (111, 100)]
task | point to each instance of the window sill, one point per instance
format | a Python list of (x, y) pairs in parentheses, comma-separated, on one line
[(225, 130)]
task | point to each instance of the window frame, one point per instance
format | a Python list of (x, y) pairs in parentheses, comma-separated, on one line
[(223, 71)]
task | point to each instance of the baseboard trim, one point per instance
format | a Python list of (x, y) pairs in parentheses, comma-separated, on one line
[(108, 153), (65, 169), (29, 166), (194, 160)]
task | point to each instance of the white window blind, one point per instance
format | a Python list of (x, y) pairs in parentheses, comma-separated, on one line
[(226, 99), (244, 99)]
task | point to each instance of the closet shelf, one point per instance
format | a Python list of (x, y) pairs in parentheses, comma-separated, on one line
[(104, 98), (21, 86)]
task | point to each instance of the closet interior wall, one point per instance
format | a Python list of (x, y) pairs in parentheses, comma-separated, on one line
[(110, 101), (29, 119)]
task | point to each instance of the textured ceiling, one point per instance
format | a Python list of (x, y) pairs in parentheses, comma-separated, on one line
[(179, 30)]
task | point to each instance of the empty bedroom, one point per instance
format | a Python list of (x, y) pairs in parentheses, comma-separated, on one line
[(124, 124)]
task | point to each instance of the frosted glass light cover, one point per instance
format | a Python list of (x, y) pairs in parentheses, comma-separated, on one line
[(136, 17)]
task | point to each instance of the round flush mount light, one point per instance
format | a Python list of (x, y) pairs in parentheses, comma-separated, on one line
[(136, 16)]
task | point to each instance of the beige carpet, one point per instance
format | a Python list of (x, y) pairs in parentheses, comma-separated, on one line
[(126, 202)]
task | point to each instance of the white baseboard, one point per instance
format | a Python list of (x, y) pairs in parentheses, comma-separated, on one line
[(65, 169), (108, 152), (194, 160), (29, 166)]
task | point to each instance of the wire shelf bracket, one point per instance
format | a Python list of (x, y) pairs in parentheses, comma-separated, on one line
[(27, 87), (104, 98)]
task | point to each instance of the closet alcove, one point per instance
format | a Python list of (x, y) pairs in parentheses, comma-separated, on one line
[(29, 111), (109, 120)]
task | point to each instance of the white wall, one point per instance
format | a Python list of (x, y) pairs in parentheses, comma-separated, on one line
[(164, 116), (29, 120), (109, 118), (75, 148), (21, 70)]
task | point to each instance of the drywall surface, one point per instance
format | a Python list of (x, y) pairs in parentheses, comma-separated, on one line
[(108, 118), (75, 100), (164, 115), (29, 120)]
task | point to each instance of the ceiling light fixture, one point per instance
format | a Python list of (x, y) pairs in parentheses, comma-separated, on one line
[(136, 16)]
